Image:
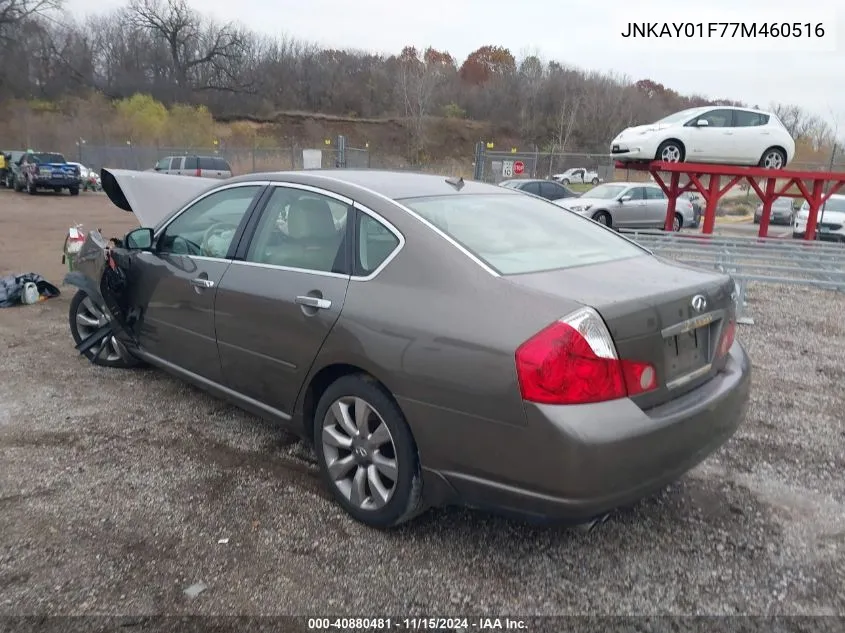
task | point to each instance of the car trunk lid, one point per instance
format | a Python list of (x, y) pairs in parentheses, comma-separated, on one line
[(659, 312)]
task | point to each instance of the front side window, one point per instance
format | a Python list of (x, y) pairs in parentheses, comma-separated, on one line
[(520, 234), (716, 118), (208, 227), (303, 230), (164, 163)]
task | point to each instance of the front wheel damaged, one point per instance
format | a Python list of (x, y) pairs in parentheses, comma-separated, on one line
[(101, 321)]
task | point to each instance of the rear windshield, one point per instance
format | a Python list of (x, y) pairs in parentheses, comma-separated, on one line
[(44, 157), (516, 234)]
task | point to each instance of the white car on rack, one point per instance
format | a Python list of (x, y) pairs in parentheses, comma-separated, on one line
[(712, 134), (830, 222)]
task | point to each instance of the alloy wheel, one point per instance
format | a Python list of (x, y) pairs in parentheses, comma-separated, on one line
[(671, 154), (360, 453), (773, 160), (89, 318)]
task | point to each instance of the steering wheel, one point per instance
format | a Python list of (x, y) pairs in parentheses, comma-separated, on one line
[(215, 229)]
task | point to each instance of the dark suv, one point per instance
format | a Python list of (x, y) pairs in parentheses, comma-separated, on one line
[(47, 170)]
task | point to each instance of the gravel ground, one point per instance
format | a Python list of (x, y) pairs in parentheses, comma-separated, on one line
[(116, 487)]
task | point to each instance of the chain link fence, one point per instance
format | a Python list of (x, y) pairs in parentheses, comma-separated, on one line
[(242, 159), (496, 166)]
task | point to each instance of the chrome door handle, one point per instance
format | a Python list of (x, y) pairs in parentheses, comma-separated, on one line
[(314, 302), (202, 283)]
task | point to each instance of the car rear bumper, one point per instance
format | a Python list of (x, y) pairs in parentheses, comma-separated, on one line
[(591, 459), (56, 182)]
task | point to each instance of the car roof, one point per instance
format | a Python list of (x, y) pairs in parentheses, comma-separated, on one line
[(395, 185)]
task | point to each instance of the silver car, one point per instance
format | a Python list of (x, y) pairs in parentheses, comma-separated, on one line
[(202, 166), (630, 205)]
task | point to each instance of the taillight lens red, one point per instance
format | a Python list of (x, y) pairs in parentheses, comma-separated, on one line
[(573, 361), (728, 336)]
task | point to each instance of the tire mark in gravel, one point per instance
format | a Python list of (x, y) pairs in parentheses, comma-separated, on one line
[(230, 458)]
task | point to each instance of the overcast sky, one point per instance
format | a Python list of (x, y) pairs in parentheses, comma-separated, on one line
[(587, 34)]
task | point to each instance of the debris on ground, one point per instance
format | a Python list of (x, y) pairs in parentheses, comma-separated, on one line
[(25, 288), (196, 589)]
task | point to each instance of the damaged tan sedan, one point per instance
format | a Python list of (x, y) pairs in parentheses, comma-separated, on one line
[(437, 341)]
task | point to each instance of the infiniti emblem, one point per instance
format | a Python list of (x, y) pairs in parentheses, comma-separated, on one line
[(699, 303)]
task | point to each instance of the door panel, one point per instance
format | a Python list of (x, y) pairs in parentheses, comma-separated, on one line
[(752, 135), (632, 213), (714, 142), (656, 204), (274, 311), (178, 322), (175, 285)]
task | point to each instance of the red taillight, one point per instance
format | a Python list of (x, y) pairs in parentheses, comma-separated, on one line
[(728, 335), (573, 361), (199, 172)]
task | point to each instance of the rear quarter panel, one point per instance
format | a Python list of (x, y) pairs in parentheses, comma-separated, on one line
[(440, 333)]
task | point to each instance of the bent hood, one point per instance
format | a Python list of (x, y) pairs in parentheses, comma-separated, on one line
[(149, 195)]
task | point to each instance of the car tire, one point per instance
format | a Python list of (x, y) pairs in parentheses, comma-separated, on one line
[(74, 191), (82, 309), (594, 181), (773, 158), (671, 152), (564, 181), (603, 217), (678, 223), (336, 436)]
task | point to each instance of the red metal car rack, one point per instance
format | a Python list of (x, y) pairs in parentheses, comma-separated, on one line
[(815, 195)]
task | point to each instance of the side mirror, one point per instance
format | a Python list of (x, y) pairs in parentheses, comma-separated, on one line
[(702, 123), (139, 239), (624, 199)]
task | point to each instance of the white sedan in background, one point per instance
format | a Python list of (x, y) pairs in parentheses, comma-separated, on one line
[(727, 135), (830, 225)]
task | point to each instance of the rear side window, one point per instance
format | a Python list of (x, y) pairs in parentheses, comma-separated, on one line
[(220, 164), (519, 234), (375, 244), (191, 162), (743, 118), (532, 187), (653, 193)]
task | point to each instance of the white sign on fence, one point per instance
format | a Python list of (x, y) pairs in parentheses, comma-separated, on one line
[(507, 169), (312, 159)]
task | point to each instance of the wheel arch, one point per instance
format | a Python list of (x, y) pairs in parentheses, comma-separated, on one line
[(671, 139), (320, 380), (778, 147)]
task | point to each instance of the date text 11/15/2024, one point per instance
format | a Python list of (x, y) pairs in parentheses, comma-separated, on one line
[(416, 624)]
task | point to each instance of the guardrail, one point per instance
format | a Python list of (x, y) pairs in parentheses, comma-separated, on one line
[(767, 260)]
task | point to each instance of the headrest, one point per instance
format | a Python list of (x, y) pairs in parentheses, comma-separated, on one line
[(310, 218)]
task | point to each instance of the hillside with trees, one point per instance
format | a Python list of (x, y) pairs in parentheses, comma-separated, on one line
[(210, 78)]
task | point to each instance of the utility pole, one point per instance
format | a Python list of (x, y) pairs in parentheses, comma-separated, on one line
[(829, 169)]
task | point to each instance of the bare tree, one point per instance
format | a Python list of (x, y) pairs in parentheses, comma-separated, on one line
[(419, 77), (13, 12), (198, 49)]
